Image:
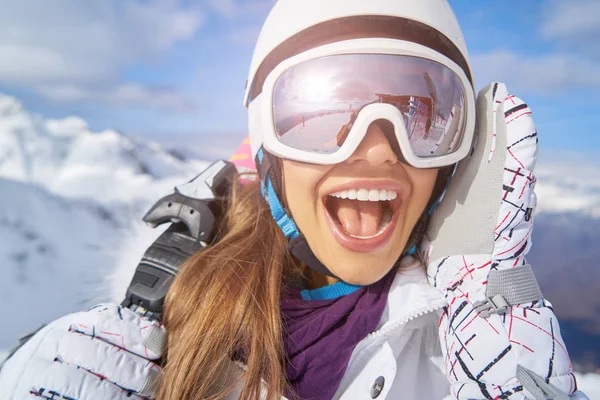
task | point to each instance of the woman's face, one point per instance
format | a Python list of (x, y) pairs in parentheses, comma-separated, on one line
[(357, 216)]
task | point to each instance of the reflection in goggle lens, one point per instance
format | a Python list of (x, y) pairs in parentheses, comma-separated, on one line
[(316, 103)]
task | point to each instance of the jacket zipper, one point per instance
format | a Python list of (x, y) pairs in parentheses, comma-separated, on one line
[(398, 324), (419, 312)]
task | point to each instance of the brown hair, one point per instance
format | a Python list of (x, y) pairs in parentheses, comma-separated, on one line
[(224, 305)]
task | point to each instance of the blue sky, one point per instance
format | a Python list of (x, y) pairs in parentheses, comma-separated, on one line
[(162, 68)]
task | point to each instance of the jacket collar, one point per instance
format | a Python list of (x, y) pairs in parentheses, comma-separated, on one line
[(410, 295)]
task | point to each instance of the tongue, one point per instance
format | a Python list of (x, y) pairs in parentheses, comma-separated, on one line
[(358, 218)]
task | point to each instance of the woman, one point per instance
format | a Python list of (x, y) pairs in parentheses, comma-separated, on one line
[(359, 112)]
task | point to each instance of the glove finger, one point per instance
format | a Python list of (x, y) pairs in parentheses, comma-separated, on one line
[(122, 328), (61, 381), (120, 367), (57, 344), (515, 222), (464, 221), (521, 134)]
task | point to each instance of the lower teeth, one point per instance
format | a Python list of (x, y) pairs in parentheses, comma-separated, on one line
[(383, 224)]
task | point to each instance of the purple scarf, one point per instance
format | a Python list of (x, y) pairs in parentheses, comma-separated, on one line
[(320, 335)]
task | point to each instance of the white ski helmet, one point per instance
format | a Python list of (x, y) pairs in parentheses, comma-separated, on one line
[(294, 29), (295, 26)]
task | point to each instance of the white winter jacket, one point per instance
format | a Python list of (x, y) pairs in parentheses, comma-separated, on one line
[(401, 359)]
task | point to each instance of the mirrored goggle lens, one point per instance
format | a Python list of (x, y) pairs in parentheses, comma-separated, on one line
[(315, 103)]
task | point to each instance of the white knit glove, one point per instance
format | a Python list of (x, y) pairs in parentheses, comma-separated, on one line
[(108, 352), (481, 230)]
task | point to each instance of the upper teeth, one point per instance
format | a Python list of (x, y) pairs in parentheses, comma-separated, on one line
[(366, 194)]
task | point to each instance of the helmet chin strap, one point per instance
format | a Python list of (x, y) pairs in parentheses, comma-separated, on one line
[(270, 179), (300, 249)]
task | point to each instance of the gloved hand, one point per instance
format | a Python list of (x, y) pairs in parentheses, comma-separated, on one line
[(108, 352), (500, 338)]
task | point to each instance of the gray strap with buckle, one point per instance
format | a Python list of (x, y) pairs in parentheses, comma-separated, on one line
[(538, 387), (508, 287)]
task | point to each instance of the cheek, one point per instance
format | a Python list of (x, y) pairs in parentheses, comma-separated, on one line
[(300, 183), (423, 182)]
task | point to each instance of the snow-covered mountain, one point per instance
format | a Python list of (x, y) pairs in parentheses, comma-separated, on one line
[(589, 384), (565, 249), (71, 161), (71, 202), (53, 250), (569, 183)]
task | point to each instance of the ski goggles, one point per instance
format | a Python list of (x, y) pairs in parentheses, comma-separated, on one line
[(317, 107)]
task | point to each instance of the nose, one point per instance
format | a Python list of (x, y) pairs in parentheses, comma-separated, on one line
[(375, 148)]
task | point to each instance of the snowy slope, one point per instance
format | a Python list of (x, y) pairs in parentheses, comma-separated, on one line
[(71, 203), (60, 255), (589, 384), (52, 250)]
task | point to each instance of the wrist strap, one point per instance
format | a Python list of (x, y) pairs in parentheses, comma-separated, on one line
[(537, 386), (508, 287)]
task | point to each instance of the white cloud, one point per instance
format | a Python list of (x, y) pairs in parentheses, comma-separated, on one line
[(543, 73), (572, 28), (248, 17), (29, 63), (165, 99), (575, 23), (69, 45), (225, 7), (246, 36), (128, 94)]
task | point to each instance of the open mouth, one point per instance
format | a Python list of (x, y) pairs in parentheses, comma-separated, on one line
[(362, 219)]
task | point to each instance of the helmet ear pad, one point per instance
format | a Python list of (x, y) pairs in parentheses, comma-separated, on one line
[(276, 176), (270, 172), (271, 168)]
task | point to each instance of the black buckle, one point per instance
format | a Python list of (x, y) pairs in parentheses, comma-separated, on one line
[(193, 211)]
